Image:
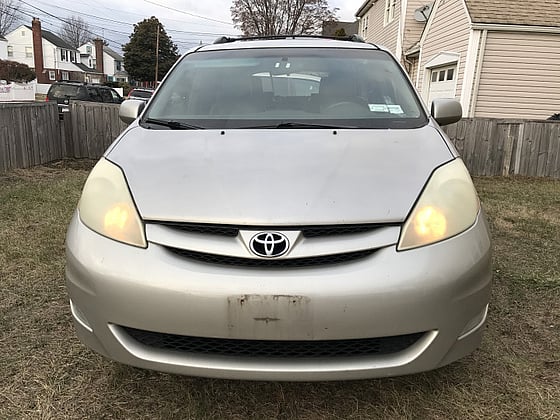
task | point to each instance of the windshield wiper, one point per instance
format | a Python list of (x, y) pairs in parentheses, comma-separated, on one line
[(174, 125), (302, 125)]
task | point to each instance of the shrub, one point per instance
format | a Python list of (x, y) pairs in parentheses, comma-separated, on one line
[(15, 72)]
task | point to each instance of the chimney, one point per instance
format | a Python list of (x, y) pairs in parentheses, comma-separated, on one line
[(99, 55), (38, 51)]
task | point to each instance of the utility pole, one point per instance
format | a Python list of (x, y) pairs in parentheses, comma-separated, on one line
[(157, 55)]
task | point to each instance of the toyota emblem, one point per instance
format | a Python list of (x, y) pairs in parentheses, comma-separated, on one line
[(269, 244)]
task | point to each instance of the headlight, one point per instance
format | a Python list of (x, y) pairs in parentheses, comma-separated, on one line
[(106, 206), (448, 206)]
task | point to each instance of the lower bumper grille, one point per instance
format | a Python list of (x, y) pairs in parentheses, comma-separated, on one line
[(274, 348)]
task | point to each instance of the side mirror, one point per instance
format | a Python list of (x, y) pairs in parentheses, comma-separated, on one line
[(446, 111), (130, 110)]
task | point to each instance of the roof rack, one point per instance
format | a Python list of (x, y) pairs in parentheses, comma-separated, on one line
[(226, 39), (81, 82)]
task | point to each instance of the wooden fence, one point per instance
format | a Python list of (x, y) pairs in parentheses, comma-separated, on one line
[(29, 135), (32, 134), (93, 127), (508, 147)]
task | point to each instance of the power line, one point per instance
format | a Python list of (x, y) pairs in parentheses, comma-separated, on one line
[(87, 3), (132, 24), (117, 44), (188, 13), (58, 18)]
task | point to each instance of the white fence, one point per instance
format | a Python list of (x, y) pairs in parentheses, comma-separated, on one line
[(17, 92)]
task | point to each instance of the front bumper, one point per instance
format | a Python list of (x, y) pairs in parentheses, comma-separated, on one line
[(441, 290)]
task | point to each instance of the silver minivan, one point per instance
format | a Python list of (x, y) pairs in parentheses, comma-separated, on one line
[(282, 209)]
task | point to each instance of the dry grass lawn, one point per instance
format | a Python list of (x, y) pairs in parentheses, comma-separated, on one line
[(45, 373)]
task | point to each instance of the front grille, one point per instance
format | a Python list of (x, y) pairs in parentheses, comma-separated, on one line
[(205, 229), (271, 263), (320, 231), (307, 231), (274, 348)]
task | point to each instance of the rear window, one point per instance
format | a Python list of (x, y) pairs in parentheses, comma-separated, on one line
[(64, 91), (94, 94), (106, 95), (141, 94), (359, 88)]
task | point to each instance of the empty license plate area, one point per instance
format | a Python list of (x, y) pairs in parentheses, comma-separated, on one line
[(270, 317)]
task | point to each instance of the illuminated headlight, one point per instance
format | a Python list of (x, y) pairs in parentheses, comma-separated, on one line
[(448, 206), (106, 206)]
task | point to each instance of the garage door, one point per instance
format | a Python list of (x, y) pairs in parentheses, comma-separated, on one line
[(443, 81)]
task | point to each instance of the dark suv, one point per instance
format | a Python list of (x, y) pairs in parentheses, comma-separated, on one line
[(63, 92)]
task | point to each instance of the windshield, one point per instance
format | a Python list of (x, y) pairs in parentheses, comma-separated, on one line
[(352, 88)]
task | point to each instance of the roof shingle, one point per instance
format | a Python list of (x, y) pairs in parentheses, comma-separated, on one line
[(515, 12), (54, 39), (113, 54)]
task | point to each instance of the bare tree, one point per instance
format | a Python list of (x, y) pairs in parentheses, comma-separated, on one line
[(75, 31), (281, 17), (9, 14)]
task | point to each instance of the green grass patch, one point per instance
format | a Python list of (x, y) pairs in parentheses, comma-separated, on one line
[(46, 373)]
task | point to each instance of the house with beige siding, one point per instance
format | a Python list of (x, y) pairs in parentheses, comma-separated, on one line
[(395, 25), (499, 58)]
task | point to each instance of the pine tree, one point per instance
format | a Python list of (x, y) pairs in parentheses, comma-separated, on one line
[(140, 52)]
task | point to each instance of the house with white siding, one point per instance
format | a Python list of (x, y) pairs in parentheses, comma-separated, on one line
[(112, 64), (499, 58), (3, 48), (47, 54)]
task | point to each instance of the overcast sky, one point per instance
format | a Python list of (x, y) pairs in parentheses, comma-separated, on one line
[(188, 22)]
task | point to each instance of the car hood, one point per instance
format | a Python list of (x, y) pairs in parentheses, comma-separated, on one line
[(278, 177)]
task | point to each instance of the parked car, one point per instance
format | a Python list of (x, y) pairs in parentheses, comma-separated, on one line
[(282, 209), (140, 94), (64, 92)]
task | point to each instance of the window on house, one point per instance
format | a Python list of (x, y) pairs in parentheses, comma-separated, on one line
[(450, 74), (22, 33), (445, 74), (65, 75), (88, 49), (118, 65), (10, 51), (52, 75), (72, 56), (65, 55), (390, 6), (28, 52), (365, 22)]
